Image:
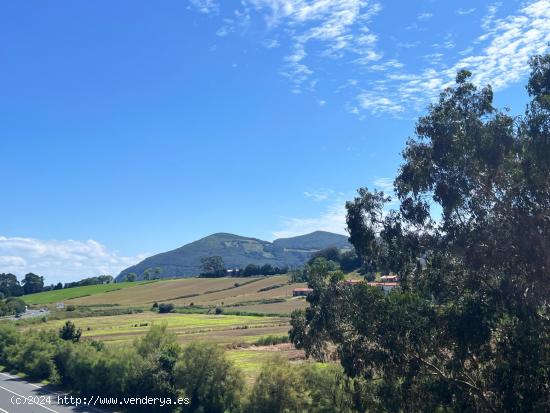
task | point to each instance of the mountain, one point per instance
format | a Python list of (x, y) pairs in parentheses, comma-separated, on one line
[(237, 252)]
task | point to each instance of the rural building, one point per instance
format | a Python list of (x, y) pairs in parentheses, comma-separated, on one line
[(353, 282), (389, 278), (301, 292), (387, 287)]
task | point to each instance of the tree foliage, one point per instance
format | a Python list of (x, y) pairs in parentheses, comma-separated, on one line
[(213, 266), (209, 379), (69, 332), (469, 328), (32, 283), (9, 285)]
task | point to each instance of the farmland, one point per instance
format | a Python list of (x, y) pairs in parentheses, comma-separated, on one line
[(224, 329), (50, 297), (199, 291), (253, 308)]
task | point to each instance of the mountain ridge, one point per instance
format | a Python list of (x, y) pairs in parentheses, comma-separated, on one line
[(237, 251)]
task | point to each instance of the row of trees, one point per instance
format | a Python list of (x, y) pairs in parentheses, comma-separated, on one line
[(148, 274), (469, 329), (102, 279), (33, 283), (11, 287), (215, 267), (329, 259), (156, 366), (347, 260)]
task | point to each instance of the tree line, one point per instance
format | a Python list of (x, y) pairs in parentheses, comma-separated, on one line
[(212, 267), (157, 366), (32, 283)]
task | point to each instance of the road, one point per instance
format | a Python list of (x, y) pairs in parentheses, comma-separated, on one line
[(13, 389), (27, 314)]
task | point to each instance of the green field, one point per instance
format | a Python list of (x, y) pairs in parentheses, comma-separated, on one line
[(253, 294), (130, 326), (50, 297), (263, 305), (236, 333)]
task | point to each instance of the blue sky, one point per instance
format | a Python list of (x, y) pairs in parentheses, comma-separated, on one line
[(133, 127)]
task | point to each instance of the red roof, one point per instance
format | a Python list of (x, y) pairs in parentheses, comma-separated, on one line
[(381, 284)]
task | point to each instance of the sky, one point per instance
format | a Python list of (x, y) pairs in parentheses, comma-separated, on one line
[(130, 128)]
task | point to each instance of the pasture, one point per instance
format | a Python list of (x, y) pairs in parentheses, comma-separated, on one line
[(254, 308), (55, 296), (237, 334), (254, 294)]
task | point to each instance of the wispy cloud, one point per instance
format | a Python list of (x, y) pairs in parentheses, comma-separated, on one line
[(424, 16), (384, 184), (339, 26), (317, 32), (319, 194), (205, 6), (333, 219), (64, 261), (271, 43), (502, 59), (463, 12)]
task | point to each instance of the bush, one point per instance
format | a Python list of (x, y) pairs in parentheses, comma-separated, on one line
[(33, 354), (330, 390), (166, 308), (69, 332), (212, 382), (11, 306), (271, 340), (279, 388), (219, 310)]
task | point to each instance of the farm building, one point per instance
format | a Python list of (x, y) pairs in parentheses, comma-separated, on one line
[(301, 292), (389, 278), (387, 287), (353, 282)]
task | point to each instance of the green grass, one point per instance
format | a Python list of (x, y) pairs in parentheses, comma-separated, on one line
[(250, 361), (50, 297), (138, 324)]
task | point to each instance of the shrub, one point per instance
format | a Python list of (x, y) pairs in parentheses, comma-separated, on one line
[(219, 310), (69, 332), (271, 340), (279, 388), (166, 308), (212, 382)]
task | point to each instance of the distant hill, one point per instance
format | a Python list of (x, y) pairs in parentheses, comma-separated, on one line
[(237, 252)]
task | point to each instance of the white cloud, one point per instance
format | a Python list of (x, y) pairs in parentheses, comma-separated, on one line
[(320, 194), (424, 16), (66, 260), (463, 12), (505, 48), (319, 32), (339, 26), (333, 219), (271, 43), (205, 6), (384, 184), (390, 64), (377, 102)]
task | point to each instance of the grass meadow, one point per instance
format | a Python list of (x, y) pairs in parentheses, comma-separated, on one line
[(254, 308)]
